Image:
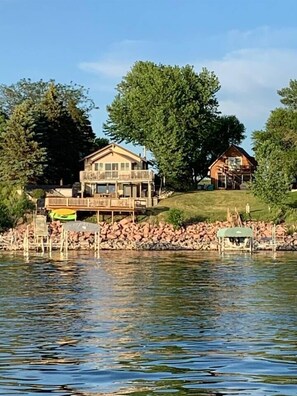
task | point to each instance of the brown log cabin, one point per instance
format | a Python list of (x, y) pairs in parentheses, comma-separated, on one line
[(232, 169)]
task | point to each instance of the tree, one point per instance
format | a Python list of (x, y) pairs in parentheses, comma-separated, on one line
[(171, 111), (61, 124), (22, 158), (13, 206), (223, 131), (72, 95), (99, 143), (272, 181), (276, 150), (289, 95), (57, 131)]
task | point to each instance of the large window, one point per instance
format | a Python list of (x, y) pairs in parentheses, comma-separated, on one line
[(105, 188), (234, 162)]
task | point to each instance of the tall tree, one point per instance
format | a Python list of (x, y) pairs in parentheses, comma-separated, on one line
[(61, 123), (14, 94), (276, 150), (171, 111), (22, 158)]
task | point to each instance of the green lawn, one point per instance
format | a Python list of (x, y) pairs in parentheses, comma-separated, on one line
[(212, 206)]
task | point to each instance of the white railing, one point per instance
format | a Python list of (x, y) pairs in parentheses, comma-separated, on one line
[(93, 176)]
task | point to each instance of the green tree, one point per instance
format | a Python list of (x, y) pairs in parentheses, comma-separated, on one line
[(61, 123), (289, 95), (14, 206), (171, 111), (57, 131), (272, 181), (22, 158), (99, 143), (223, 131), (276, 151), (73, 96)]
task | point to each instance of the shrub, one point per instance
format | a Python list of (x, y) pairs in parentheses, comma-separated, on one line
[(38, 193), (175, 217)]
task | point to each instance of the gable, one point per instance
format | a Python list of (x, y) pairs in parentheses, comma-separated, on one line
[(235, 151), (113, 153)]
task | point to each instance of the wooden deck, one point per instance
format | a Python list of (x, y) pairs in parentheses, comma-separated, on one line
[(97, 204)]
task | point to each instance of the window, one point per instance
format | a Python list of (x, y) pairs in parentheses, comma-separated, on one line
[(125, 166), (98, 166), (234, 162), (101, 188), (111, 166), (105, 188)]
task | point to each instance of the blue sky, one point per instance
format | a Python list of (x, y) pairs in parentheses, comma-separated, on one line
[(251, 45)]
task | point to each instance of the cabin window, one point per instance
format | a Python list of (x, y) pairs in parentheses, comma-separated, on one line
[(99, 166), (234, 162), (105, 188), (112, 166), (125, 166)]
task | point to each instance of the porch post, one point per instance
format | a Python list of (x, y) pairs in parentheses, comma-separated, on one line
[(150, 193)]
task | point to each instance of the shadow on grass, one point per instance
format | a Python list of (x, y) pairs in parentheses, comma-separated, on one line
[(292, 205), (156, 211), (195, 219)]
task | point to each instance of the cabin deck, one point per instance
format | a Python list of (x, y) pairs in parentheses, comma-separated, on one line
[(131, 205)]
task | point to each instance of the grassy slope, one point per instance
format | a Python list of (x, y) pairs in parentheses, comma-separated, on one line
[(212, 205)]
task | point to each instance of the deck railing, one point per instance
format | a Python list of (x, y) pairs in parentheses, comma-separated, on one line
[(135, 175), (95, 203), (236, 169)]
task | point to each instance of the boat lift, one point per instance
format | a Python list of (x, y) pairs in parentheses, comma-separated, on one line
[(238, 239)]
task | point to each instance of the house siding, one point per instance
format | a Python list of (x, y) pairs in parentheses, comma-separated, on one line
[(220, 167)]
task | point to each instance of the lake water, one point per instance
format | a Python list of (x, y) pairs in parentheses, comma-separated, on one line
[(149, 323)]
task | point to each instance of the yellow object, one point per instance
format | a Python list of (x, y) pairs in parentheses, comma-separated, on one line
[(63, 214), (64, 211)]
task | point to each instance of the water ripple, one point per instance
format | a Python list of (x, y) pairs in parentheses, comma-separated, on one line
[(149, 323)]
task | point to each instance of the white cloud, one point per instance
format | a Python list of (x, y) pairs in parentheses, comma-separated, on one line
[(262, 37), (118, 60), (250, 79), (108, 68)]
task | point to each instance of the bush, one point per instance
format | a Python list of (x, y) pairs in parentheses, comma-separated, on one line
[(175, 217), (5, 221), (38, 193), (13, 206)]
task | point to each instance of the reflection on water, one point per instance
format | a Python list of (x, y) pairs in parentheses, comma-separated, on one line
[(149, 323)]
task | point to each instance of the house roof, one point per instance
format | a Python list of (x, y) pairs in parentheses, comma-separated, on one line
[(110, 148), (241, 151)]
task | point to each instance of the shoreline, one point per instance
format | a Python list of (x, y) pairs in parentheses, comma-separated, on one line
[(126, 235)]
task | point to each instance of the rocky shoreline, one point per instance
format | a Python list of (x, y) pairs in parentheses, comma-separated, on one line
[(126, 235)]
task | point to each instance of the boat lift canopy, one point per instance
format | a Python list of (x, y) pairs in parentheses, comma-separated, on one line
[(235, 232)]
